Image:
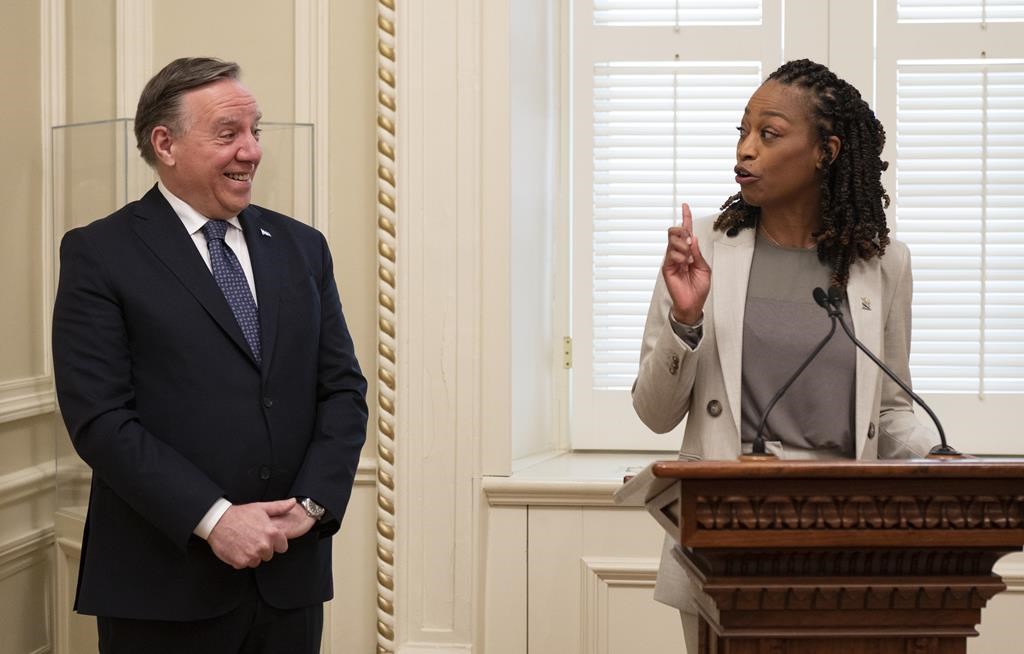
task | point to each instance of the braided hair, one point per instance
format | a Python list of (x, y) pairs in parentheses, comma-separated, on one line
[(852, 197)]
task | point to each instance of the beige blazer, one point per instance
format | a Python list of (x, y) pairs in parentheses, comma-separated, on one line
[(703, 384)]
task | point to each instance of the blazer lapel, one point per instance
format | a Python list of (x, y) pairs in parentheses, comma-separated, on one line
[(162, 232), (731, 273), (863, 292), (265, 254)]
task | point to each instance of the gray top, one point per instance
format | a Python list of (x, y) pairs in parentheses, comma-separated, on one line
[(781, 327)]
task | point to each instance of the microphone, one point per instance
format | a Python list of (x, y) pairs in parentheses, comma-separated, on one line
[(834, 299), (823, 300), (759, 439)]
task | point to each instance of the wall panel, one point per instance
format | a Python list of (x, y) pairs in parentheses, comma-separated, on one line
[(21, 328), (26, 580), (351, 615), (91, 59), (26, 402), (352, 194), (591, 574)]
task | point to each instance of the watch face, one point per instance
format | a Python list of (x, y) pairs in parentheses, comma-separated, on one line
[(313, 509)]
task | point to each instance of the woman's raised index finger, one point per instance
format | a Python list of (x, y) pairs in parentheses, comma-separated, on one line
[(687, 219)]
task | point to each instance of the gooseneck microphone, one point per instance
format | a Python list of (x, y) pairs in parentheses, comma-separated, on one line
[(759, 439), (834, 302)]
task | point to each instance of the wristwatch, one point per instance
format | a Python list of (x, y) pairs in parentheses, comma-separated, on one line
[(312, 509)]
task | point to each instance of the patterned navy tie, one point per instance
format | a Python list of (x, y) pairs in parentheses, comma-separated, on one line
[(228, 273)]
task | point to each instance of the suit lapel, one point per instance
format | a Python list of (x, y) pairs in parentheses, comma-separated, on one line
[(731, 272), (162, 232), (265, 254), (863, 292)]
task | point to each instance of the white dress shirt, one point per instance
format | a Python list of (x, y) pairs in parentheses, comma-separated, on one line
[(234, 239)]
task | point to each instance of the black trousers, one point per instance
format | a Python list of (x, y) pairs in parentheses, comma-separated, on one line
[(254, 627)]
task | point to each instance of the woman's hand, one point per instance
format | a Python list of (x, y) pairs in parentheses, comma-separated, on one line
[(687, 275)]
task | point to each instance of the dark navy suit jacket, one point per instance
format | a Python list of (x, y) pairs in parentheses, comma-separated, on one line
[(162, 398)]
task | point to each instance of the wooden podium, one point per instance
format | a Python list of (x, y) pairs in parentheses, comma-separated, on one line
[(799, 557)]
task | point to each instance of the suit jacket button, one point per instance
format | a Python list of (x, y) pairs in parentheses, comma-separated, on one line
[(268, 402), (264, 472), (673, 366), (871, 430), (714, 408)]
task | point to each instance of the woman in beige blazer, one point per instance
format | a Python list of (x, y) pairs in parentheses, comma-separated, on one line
[(809, 169)]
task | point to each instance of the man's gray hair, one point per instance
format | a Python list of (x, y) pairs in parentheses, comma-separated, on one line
[(160, 102)]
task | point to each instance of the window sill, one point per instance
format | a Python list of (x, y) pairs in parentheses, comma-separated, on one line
[(568, 479)]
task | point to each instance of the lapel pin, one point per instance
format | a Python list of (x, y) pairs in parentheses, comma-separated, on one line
[(865, 303), (264, 232)]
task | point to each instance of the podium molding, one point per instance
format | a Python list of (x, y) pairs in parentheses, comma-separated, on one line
[(794, 557)]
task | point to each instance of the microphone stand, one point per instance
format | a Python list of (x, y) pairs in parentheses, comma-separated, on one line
[(835, 300), (759, 439)]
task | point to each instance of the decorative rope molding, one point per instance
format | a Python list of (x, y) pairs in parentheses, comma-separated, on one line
[(24, 398), (386, 344)]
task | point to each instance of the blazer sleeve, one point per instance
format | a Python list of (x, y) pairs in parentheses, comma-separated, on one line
[(668, 367), (329, 468), (901, 434), (93, 371)]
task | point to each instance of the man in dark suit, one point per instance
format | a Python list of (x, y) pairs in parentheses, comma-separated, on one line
[(206, 374)]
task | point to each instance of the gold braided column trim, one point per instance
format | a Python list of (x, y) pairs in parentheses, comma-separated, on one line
[(386, 348)]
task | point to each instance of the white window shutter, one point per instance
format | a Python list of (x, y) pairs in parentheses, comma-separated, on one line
[(959, 11), (659, 87), (663, 135), (676, 12), (960, 208)]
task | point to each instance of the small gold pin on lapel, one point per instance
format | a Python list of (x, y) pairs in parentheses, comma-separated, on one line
[(865, 303)]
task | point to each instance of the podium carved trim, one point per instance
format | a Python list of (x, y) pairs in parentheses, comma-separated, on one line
[(809, 557), (853, 596), (860, 512), (870, 562)]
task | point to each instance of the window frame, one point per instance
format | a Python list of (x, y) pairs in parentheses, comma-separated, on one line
[(861, 42)]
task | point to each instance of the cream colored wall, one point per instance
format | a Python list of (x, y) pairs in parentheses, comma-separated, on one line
[(352, 233), (352, 177), (21, 184), (26, 438), (259, 35), (264, 41), (90, 61)]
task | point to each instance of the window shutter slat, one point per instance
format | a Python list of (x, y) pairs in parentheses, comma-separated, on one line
[(676, 12), (959, 11)]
